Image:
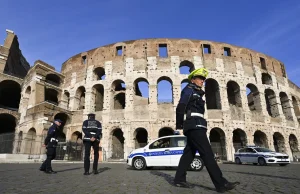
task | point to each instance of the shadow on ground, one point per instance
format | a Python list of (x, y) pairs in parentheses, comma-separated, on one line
[(170, 179)]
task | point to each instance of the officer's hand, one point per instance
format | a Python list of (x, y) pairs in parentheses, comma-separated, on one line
[(92, 139), (43, 145)]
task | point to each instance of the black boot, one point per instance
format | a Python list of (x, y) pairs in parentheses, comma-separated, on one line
[(95, 172), (50, 172), (228, 186), (86, 173), (183, 184)]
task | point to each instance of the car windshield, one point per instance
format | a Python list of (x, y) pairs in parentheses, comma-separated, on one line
[(263, 150)]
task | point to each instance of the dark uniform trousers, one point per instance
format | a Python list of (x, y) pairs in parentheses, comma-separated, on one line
[(51, 154), (197, 140), (87, 148)]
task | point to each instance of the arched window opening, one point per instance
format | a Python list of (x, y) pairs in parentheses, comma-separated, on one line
[(212, 94), (164, 90), (141, 89), (53, 79), (186, 67), (99, 73), (253, 97), (266, 79), (51, 96)]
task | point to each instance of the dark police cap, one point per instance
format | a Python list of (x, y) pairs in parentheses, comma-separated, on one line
[(91, 114), (58, 120)]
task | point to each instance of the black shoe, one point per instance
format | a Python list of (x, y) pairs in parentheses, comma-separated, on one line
[(228, 186), (183, 184), (86, 173), (50, 172), (41, 169), (95, 172)]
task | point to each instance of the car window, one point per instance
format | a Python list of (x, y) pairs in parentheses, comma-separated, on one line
[(250, 150), (242, 150), (161, 143), (178, 141), (263, 150)]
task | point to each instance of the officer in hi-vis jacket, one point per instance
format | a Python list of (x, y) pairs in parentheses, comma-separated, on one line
[(92, 130), (189, 117)]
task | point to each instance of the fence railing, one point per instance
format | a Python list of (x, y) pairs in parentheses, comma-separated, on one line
[(31, 144)]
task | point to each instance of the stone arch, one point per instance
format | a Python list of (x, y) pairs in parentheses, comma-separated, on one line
[(140, 137), (278, 142), (285, 105), (30, 141), (65, 121), (260, 139), (184, 83), (296, 106), (66, 99), (254, 102), (164, 90), (271, 103), (165, 131), (98, 95), (266, 79), (239, 139), (212, 94), (119, 95), (80, 98), (117, 144), (53, 79), (8, 124), (186, 67), (51, 96), (99, 73), (234, 94), (218, 142), (76, 137), (294, 145), (141, 98), (10, 94)]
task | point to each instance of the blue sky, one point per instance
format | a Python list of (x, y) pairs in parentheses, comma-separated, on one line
[(55, 30)]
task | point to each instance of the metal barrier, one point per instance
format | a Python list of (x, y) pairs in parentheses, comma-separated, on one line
[(31, 144)]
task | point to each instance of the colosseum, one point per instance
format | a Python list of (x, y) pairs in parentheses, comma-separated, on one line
[(249, 98)]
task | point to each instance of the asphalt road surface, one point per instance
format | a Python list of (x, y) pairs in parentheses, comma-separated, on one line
[(117, 178)]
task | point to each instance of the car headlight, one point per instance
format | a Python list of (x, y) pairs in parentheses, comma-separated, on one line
[(268, 156)]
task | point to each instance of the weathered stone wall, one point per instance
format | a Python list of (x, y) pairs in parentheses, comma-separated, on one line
[(80, 92)]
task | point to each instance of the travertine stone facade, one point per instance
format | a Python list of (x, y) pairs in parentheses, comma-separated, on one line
[(249, 97)]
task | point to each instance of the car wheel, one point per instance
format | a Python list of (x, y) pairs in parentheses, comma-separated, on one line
[(139, 163), (283, 164), (237, 161), (197, 164), (262, 162)]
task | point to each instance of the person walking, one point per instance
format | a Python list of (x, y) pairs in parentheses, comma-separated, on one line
[(92, 130), (51, 143), (189, 118)]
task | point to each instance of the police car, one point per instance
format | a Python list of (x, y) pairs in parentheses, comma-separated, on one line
[(163, 152), (261, 156)]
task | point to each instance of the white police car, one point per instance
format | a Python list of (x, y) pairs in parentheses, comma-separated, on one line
[(261, 156), (165, 151)]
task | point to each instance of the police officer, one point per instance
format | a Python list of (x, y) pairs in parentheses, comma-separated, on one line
[(92, 130), (51, 143), (189, 117)]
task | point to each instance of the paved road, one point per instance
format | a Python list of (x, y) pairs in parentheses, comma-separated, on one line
[(118, 178)]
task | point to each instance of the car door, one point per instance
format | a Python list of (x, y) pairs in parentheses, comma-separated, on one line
[(242, 154), (251, 155), (176, 149), (159, 152)]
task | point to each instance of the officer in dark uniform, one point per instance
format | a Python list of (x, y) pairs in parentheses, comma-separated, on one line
[(189, 117), (92, 130), (51, 143)]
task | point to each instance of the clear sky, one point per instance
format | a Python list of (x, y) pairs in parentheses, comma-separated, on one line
[(55, 30)]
